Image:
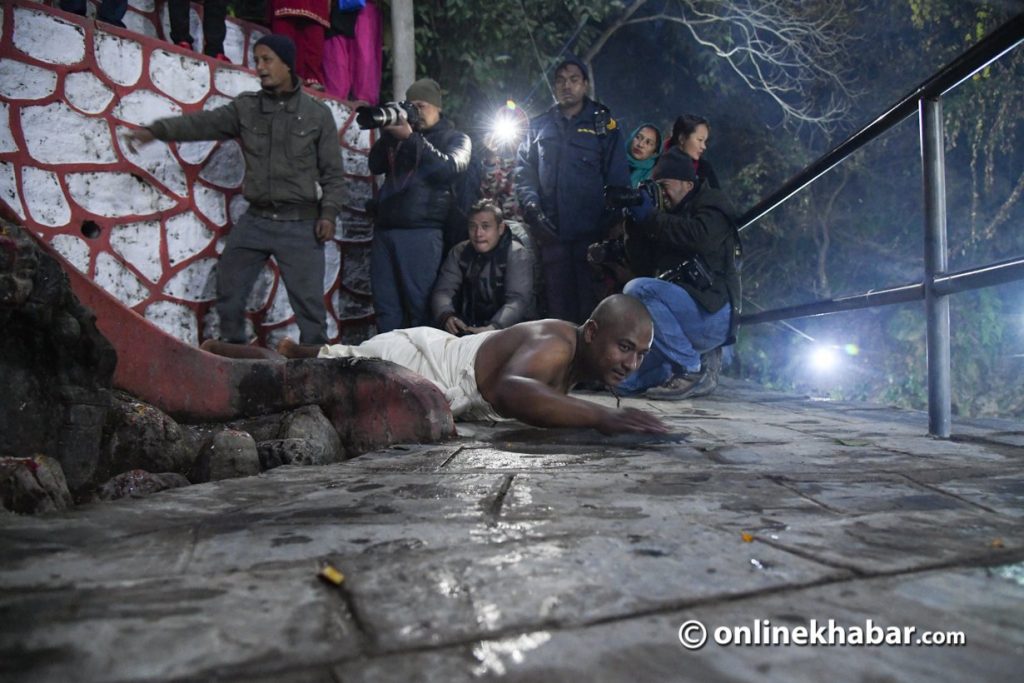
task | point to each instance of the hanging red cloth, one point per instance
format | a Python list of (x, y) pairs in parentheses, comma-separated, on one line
[(304, 22)]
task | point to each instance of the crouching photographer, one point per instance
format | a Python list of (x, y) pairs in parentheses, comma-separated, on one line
[(683, 245)]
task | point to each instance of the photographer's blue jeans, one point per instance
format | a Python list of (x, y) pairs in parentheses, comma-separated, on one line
[(682, 331)]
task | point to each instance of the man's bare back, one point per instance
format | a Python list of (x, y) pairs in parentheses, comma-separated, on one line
[(551, 345)]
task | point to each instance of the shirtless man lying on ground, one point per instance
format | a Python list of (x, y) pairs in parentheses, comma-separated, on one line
[(523, 372)]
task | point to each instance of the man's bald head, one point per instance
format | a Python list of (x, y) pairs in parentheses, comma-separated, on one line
[(621, 308), (616, 338)]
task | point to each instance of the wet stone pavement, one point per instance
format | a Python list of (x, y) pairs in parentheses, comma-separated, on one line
[(521, 554)]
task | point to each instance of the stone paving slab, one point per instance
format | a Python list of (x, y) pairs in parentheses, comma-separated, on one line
[(513, 553), (646, 648), (161, 629), (464, 592)]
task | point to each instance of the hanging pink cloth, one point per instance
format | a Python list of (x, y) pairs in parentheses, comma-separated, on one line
[(353, 64)]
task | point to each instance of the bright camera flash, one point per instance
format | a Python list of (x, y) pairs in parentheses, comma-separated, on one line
[(505, 129), (824, 358)]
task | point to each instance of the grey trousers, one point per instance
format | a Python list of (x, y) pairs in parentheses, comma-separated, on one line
[(300, 258)]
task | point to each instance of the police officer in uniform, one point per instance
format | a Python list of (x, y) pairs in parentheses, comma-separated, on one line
[(570, 153)]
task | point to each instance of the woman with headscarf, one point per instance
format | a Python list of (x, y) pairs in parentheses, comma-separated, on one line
[(607, 258), (642, 152)]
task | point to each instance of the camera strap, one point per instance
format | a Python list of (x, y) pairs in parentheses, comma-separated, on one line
[(402, 180)]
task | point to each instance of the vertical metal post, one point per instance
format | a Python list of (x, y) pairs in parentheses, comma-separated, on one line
[(403, 31), (933, 159)]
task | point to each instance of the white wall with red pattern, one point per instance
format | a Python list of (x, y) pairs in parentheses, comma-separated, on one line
[(148, 226)]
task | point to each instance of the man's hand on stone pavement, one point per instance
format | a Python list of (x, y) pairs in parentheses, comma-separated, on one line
[(619, 420)]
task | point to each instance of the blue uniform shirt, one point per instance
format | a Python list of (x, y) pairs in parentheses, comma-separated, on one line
[(563, 166)]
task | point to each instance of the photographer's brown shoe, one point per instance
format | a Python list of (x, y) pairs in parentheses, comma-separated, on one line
[(710, 368), (677, 388), (691, 384)]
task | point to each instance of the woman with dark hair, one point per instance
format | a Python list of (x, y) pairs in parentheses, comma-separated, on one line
[(606, 258), (690, 134), (642, 152)]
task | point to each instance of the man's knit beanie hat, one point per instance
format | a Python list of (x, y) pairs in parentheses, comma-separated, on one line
[(575, 62), (675, 164), (425, 90), (282, 46)]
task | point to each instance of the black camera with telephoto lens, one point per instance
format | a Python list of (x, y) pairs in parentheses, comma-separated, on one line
[(387, 114)]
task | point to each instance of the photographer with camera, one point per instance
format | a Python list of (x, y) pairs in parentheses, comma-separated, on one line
[(421, 156), (683, 239)]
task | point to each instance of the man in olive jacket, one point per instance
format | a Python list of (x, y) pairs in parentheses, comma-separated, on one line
[(689, 250), (293, 183)]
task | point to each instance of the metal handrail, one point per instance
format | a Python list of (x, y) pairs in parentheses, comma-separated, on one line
[(987, 50), (937, 285), (1010, 270)]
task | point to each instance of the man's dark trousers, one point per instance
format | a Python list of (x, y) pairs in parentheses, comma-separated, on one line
[(110, 11), (403, 267), (570, 291), (300, 258), (214, 29)]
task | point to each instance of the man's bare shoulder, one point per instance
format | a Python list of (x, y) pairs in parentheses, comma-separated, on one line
[(536, 333), (540, 348)]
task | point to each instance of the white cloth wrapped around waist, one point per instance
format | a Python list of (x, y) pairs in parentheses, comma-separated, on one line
[(444, 359)]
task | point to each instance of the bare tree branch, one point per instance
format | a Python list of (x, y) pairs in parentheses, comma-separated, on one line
[(782, 48), (1004, 211), (823, 237)]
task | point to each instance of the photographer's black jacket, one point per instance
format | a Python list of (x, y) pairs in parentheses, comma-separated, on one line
[(704, 223), (417, 190)]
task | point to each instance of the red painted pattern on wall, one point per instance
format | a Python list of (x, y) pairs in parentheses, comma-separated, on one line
[(89, 231)]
